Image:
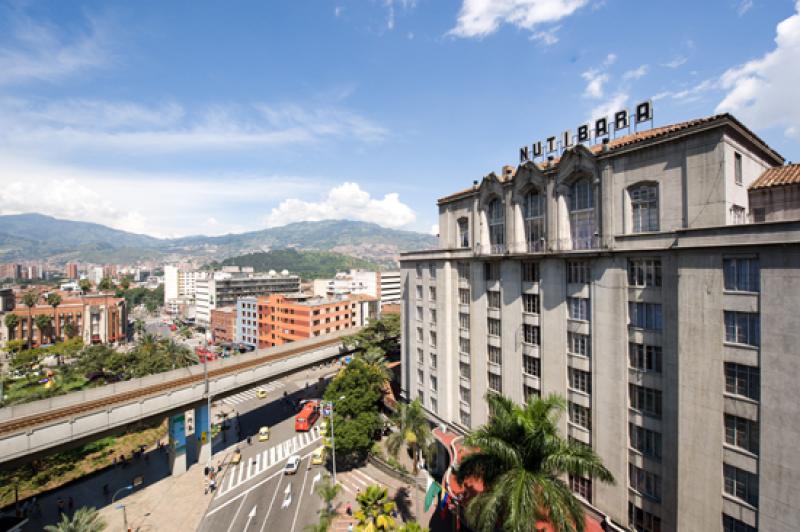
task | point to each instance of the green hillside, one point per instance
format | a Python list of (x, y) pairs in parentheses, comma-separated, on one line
[(307, 264)]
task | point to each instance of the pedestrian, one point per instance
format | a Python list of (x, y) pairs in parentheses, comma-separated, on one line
[(213, 485), (249, 441), (350, 527), (349, 509), (206, 471), (60, 504)]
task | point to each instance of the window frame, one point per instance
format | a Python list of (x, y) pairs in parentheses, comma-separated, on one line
[(644, 200)]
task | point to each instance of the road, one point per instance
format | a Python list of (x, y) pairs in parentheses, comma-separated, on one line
[(281, 502)]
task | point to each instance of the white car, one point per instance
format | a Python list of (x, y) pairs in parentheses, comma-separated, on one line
[(292, 464)]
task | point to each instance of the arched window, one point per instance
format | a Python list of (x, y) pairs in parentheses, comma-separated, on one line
[(644, 207), (533, 215), (497, 229), (582, 221), (463, 233)]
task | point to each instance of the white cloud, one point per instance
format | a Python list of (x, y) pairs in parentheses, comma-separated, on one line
[(635, 73), (479, 18), (547, 37), (675, 63), (39, 53), (595, 80), (390, 15), (744, 6), (763, 92), (608, 108), (344, 201)]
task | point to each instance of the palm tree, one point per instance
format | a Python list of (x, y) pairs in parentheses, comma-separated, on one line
[(522, 460), (12, 321), (180, 355), (70, 330), (328, 491), (139, 327), (54, 300), (413, 430), (43, 323), (375, 510), (83, 520), (376, 358), (29, 299)]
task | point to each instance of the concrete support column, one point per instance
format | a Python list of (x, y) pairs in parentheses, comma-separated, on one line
[(202, 434), (177, 443)]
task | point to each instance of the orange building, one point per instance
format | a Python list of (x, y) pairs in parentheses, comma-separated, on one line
[(223, 324), (71, 270), (287, 318), (97, 318)]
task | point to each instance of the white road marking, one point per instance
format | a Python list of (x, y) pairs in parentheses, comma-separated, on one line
[(271, 455), (271, 502), (250, 394), (365, 476), (239, 509), (302, 488)]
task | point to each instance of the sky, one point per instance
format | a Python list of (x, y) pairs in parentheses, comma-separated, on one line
[(199, 117)]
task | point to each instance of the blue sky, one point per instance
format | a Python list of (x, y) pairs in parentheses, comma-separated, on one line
[(176, 118)]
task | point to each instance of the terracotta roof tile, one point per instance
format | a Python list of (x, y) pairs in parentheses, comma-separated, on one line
[(775, 177)]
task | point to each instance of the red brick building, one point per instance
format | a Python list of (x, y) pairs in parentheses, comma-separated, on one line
[(288, 318), (223, 325)]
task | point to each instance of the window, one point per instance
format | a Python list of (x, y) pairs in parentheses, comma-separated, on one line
[(463, 345), (646, 400), (533, 215), (493, 326), (434, 362), (581, 214), (419, 292), (463, 271), (433, 316), (742, 380), (432, 293), (580, 380), (529, 391), (491, 271), (530, 303), (421, 396), (578, 271), (419, 271), (740, 484), (644, 357), (644, 208), (432, 335), (742, 433), (642, 521), (530, 334), (729, 524), (493, 299), (495, 383), (464, 417), (464, 394), (463, 296), (530, 366), (644, 272), (580, 415), (759, 214), (496, 217), (645, 315), (645, 482), (420, 356), (463, 321), (737, 168), (647, 442), (530, 272), (434, 404), (741, 275), (495, 354), (578, 308), (579, 344), (434, 383), (737, 214), (420, 377), (419, 313), (742, 327), (464, 370), (420, 336), (432, 271), (582, 486), (463, 233)]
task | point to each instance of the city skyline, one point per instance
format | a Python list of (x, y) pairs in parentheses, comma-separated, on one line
[(165, 122)]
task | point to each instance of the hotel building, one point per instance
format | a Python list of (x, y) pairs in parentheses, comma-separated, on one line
[(652, 282)]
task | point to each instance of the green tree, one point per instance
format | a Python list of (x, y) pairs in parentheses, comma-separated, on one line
[(105, 284), (54, 300), (30, 299), (139, 327), (43, 323), (414, 432), (375, 357), (375, 509), (328, 491), (180, 355), (12, 322), (70, 330), (83, 520), (383, 334), (523, 460), (85, 286), (412, 526), (125, 283), (15, 346)]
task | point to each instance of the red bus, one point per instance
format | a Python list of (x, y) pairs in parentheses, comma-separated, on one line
[(307, 417)]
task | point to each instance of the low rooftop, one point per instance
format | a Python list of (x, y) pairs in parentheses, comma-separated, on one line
[(779, 176)]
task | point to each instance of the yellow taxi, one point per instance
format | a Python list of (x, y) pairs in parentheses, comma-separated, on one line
[(263, 434), (318, 455), (237, 457), (261, 393)]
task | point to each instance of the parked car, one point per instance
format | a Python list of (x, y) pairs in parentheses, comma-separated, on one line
[(292, 465), (261, 393), (318, 455)]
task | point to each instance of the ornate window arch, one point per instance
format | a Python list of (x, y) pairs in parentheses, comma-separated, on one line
[(463, 232), (582, 215), (533, 217), (496, 220), (644, 207)]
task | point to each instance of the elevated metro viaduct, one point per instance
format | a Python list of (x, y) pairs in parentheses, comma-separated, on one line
[(50, 425)]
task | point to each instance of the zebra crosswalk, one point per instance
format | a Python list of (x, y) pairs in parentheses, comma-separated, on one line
[(355, 480), (255, 465), (247, 395)]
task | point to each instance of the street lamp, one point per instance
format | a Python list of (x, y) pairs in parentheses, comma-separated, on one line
[(208, 403), (122, 506)]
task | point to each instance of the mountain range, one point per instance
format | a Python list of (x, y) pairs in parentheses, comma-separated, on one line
[(35, 236)]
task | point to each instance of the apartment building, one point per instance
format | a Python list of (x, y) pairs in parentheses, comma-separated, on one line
[(222, 289), (284, 318), (390, 287), (180, 285), (71, 270), (247, 321), (223, 325), (628, 278)]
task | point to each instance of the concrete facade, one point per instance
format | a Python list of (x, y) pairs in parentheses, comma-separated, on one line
[(667, 323), (224, 288)]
